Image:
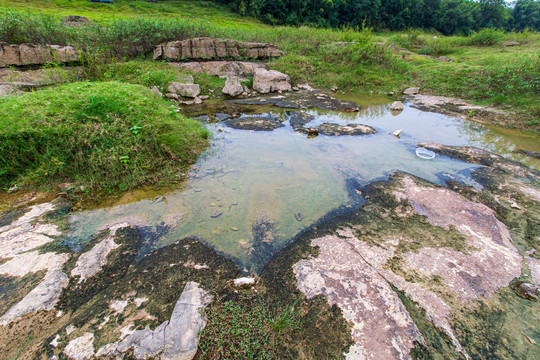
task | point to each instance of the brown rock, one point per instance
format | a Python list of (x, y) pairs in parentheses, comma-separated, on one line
[(266, 81)]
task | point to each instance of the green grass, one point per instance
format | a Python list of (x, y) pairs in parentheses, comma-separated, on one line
[(105, 136), (150, 73), (106, 13), (244, 327)]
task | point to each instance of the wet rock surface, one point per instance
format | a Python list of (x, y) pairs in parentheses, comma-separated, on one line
[(456, 107), (414, 270), (257, 123), (422, 271), (102, 301), (330, 129), (301, 100)]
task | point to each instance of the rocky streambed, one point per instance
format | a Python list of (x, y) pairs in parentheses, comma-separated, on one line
[(376, 254)]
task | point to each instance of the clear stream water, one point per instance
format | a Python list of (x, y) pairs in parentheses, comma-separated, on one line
[(281, 176)]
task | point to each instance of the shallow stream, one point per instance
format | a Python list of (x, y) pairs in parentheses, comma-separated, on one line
[(253, 191)]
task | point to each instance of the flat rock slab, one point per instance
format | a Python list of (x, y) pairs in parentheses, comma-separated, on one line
[(299, 119), (456, 107), (256, 123), (331, 129), (301, 100)]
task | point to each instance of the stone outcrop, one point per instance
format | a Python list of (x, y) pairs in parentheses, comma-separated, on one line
[(330, 129), (221, 68), (354, 270), (205, 48), (173, 339), (17, 239), (267, 81), (29, 54)]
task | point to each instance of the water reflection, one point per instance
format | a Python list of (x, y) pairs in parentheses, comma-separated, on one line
[(253, 191)]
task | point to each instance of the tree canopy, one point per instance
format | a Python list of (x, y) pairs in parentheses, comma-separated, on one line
[(447, 16)]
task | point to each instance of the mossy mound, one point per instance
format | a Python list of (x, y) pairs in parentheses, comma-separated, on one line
[(109, 136)]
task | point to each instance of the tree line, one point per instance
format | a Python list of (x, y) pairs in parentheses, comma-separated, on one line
[(447, 16)]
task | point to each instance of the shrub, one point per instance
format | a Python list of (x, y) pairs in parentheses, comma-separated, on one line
[(487, 37), (103, 135), (439, 47)]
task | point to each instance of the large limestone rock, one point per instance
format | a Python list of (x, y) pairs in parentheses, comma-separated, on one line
[(266, 81), (29, 54), (232, 87), (205, 48), (185, 90)]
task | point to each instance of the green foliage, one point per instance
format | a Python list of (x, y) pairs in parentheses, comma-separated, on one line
[(487, 37), (245, 327), (439, 47), (103, 135), (494, 80)]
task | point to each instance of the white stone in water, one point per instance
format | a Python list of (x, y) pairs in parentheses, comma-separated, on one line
[(396, 106), (397, 132), (244, 282), (81, 348), (91, 262)]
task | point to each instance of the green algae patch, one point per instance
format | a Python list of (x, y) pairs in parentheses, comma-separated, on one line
[(105, 136)]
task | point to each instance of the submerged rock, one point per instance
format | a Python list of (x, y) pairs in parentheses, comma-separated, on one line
[(330, 129), (257, 123), (526, 290), (91, 262), (301, 100)]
